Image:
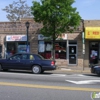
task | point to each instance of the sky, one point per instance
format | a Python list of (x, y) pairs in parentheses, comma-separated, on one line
[(88, 9)]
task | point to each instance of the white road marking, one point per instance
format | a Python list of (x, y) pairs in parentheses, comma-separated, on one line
[(79, 74), (83, 82), (58, 74), (65, 69), (50, 75)]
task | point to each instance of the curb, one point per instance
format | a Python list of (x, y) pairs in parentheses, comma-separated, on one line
[(64, 70)]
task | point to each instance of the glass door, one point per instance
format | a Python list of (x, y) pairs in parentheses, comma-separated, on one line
[(72, 54)]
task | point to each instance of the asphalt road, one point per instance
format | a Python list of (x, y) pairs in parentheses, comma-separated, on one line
[(15, 85)]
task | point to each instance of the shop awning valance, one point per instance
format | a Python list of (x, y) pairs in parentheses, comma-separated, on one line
[(92, 33)]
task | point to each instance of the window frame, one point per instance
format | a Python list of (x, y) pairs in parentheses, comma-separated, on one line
[(98, 48), (57, 41)]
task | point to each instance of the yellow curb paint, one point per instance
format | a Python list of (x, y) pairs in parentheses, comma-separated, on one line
[(50, 87)]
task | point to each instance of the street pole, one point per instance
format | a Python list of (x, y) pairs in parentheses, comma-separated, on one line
[(27, 41), (27, 27), (83, 42)]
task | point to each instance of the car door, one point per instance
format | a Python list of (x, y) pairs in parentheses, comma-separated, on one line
[(31, 59), (13, 62), (25, 63)]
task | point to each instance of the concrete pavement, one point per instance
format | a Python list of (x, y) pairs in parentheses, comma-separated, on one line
[(74, 70)]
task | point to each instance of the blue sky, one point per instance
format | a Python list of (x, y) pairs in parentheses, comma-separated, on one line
[(88, 9)]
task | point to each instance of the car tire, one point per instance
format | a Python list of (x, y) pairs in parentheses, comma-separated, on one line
[(36, 69), (42, 71), (92, 69), (98, 73), (0, 67), (5, 69)]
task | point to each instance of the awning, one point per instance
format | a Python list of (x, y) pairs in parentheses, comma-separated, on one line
[(92, 33)]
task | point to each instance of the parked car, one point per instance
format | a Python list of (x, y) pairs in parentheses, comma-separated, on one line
[(95, 69), (27, 61)]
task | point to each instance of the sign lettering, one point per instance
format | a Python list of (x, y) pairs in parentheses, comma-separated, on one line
[(88, 33), (92, 33), (16, 38)]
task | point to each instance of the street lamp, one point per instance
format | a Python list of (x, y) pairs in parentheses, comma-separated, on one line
[(27, 26)]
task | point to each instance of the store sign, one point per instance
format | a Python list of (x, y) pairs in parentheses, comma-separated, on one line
[(16, 38), (92, 33), (62, 36)]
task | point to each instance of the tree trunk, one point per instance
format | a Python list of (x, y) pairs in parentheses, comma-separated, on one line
[(53, 42), (53, 51)]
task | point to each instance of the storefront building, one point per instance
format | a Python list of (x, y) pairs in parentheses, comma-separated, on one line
[(68, 47), (92, 42)]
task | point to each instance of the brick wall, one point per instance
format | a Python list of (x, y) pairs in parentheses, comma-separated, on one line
[(86, 57), (34, 44), (91, 23), (2, 42)]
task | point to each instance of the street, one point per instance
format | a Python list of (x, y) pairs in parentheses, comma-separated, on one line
[(17, 85)]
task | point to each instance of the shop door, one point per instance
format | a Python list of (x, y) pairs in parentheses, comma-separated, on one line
[(72, 54)]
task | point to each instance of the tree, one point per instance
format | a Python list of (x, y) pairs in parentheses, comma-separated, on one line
[(57, 17), (17, 10)]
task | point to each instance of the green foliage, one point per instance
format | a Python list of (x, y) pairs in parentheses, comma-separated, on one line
[(17, 10), (57, 16)]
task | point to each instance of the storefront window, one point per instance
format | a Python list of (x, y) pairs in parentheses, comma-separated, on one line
[(41, 47), (60, 50), (22, 47), (94, 51), (11, 49), (45, 49), (16, 47)]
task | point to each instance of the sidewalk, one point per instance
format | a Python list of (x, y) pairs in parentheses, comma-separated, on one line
[(72, 70)]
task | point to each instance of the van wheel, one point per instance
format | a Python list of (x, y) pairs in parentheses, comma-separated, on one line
[(36, 69)]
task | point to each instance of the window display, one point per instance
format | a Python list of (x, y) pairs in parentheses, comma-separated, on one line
[(11, 49), (48, 47), (94, 49), (22, 48), (41, 46), (45, 49)]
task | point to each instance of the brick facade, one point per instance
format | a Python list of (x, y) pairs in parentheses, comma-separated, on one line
[(19, 28)]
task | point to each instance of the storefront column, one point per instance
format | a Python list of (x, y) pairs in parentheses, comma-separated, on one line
[(83, 47), (67, 53), (5, 49)]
